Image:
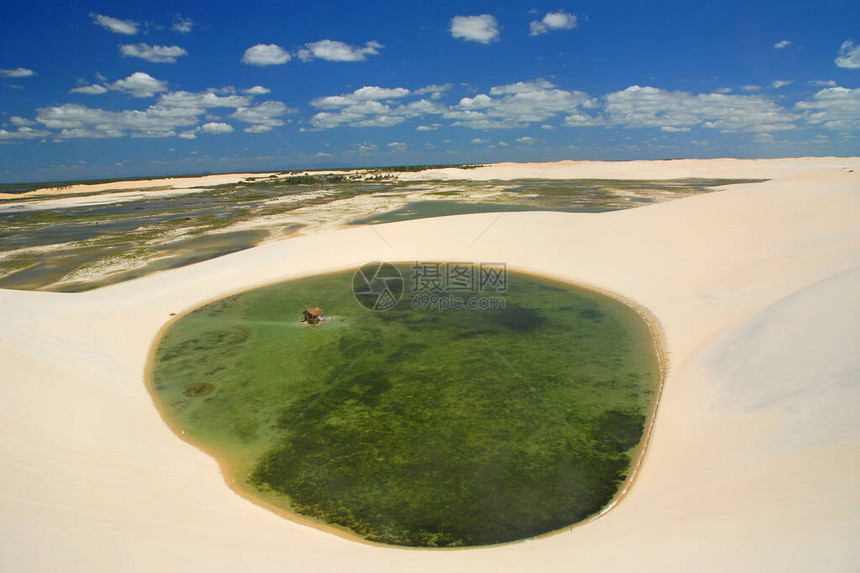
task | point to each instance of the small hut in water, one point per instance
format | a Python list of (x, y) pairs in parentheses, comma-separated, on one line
[(313, 315)]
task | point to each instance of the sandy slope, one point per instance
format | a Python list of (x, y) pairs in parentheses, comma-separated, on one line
[(753, 461)]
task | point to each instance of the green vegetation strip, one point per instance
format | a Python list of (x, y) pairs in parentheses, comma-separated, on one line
[(416, 427)]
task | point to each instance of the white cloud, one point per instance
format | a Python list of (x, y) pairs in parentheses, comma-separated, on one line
[(763, 138), (835, 108), (435, 90), (173, 114), (849, 55), (514, 105), (73, 120), (370, 106), (781, 45), (198, 102), (541, 103), (19, 121), (780, 83), (366, 147), (140, 84), (334, 51), (646, 107), (257, 90), (127, 27), (17, 73), (216, 128), (398, 146), (22, 133), (182, 25), (365, 94), (155, 54), (94, 89), (823, 83), (265, 55), (258, 129), (483, 28), (265, 113), (751, 88), (478, 141), (527, 140), (520, 104), (560, 20)]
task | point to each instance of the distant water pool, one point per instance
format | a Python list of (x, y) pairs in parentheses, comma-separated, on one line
[(412, 426)]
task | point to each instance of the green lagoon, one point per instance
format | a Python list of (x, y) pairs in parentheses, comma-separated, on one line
[(416, 427)]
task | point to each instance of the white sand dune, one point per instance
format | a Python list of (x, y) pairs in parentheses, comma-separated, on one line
[(752, 465)]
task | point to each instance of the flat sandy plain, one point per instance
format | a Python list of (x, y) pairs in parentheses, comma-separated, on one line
[(752, 465)]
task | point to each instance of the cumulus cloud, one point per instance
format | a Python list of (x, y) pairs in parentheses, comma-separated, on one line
[(835, 108), (335, 51), (507, 106), (155, 54), (258, 128), (436, 91), (22, 133), (94, 89), (265, 55), (648, 107), (849, 55), (781, 45), (140, 84), (265, 114), (115, 25), (257, 90), (182, 114), (371, 106), (17, 73), (780, 83), (823, 83), (73, 120), (198, 102), (182, 25), (521, 104), (215, 128), (560, 20), (367, 93), (19, 121), (483, 28)]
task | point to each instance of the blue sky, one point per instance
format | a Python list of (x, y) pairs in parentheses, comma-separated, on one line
[(107, 89)]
